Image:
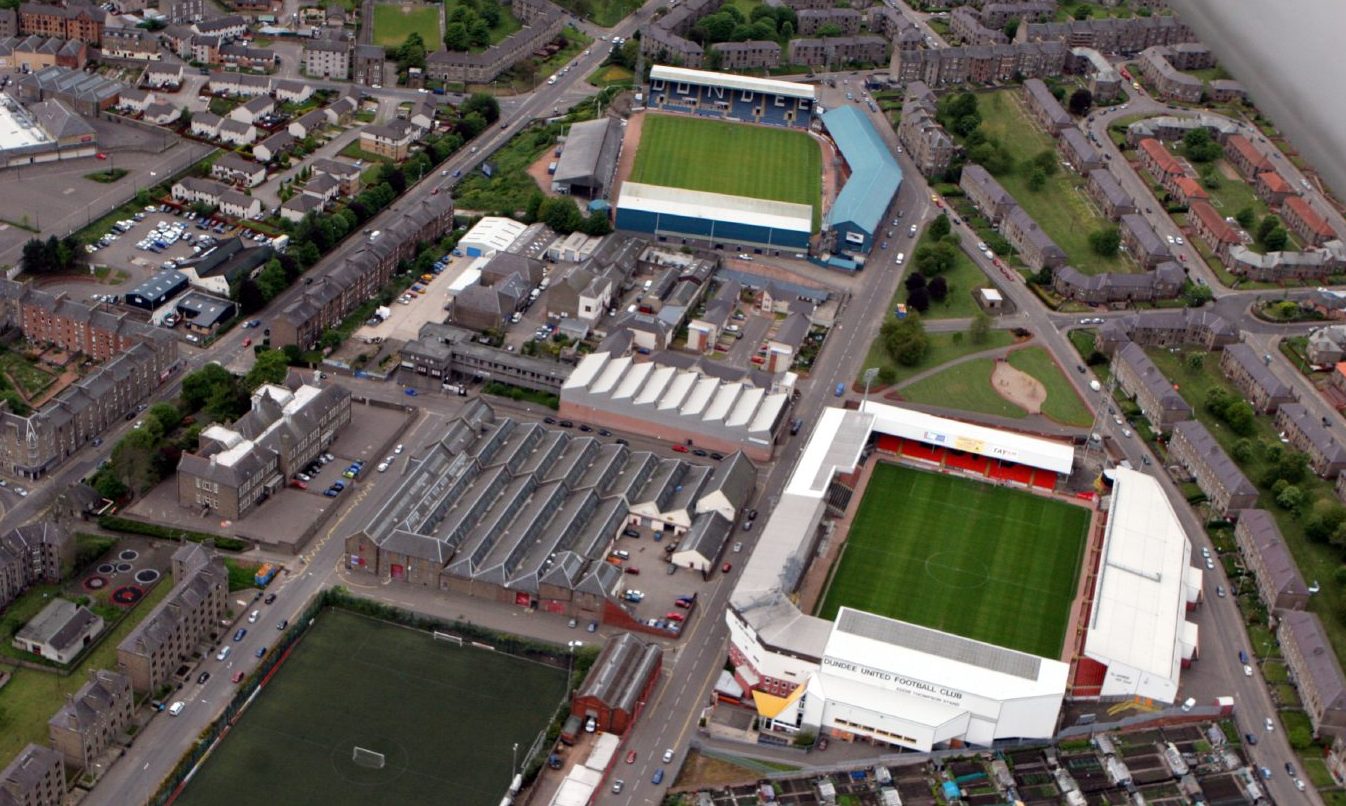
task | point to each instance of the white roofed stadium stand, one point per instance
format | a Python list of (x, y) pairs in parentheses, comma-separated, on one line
[(1138, 625), (705, 78)]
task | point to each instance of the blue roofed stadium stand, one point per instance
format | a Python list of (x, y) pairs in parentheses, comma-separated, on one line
[(857, 213), (724, 96)]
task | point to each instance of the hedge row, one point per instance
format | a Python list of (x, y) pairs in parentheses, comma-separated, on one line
[(117, 523)]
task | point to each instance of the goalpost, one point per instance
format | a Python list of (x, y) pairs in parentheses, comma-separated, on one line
[(367, 758), (443, 636)]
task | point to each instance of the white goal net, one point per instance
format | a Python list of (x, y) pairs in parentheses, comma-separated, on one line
[(367, 758)]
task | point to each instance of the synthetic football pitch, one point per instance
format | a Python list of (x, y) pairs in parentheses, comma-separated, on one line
[(965, 557), (737, 159), (444, 717)]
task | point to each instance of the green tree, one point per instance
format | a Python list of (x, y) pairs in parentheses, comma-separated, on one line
[(132, 460), (919, 299), (270, 367), (1276, 239), (1080, 101), (1245, 217), (1011, 28), (1243, 450), (166, 414), (940, 227), (1265, 227), (456, 37), (1324, 521), (1045, 161), (1105, 242), (938, 287), (1200, 146), (1195, 361), (933, 259), (1290, 498), (482, 104), (1240, 417), (109, 486), (980, 329), (905, 339), (199, 386), (1037, 180)]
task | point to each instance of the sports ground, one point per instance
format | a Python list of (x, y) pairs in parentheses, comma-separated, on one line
[(965, 557), (737, 159), (444, 717)]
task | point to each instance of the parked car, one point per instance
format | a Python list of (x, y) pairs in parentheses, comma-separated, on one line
[(202, 678), (242, 631)]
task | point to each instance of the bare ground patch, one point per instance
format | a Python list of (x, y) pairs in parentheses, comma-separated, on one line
[(1019, 388)]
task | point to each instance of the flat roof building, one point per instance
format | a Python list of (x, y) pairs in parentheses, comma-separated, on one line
[(1138, 630)]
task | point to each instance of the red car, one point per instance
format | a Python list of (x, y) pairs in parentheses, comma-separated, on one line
[(631, 757), (102, 156), (679, 448), (631, 569), (727, 567), (674, 616), (247, 342)]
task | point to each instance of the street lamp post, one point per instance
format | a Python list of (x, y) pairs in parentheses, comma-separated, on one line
[(870, 374), (514, 765)]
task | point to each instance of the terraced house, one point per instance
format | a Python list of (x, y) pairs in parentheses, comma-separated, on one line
[(1138, 377), (185, 623), (1246, 370), (1311, 435), (1225, 486), (39, 552), (1278, 579), (136, 358), (347, 284), (92, 719)]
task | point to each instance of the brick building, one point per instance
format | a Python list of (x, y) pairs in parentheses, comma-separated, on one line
[(619, 684)]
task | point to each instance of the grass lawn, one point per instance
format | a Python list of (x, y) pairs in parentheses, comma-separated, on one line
[(355, 682), (1316, 561), (29, 379), (1002, 569), (32, 697), (944, 347), (610, 75), (733, 158), (963, 279), (508, 25), (1062, 208), (393, 23), (966, 387), (604, 13), (1063, 403)]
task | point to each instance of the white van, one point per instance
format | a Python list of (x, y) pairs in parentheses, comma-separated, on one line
[(901, 258), (176, 708)]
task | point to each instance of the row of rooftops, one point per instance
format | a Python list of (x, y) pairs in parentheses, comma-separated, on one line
[(397, 228), (52, 46), (1256, 369), (1214, 458), (522, 505), (1159, 388), (76, 84)]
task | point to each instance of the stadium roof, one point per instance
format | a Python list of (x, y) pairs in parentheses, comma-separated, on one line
[(583, 156), (1025, 450), (717, 206), (1140, 599), (875, 176), (706, 78), (948, 661)]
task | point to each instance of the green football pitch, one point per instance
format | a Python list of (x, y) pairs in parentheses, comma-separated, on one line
[(444, 717), (965, 557), (737, 159)]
